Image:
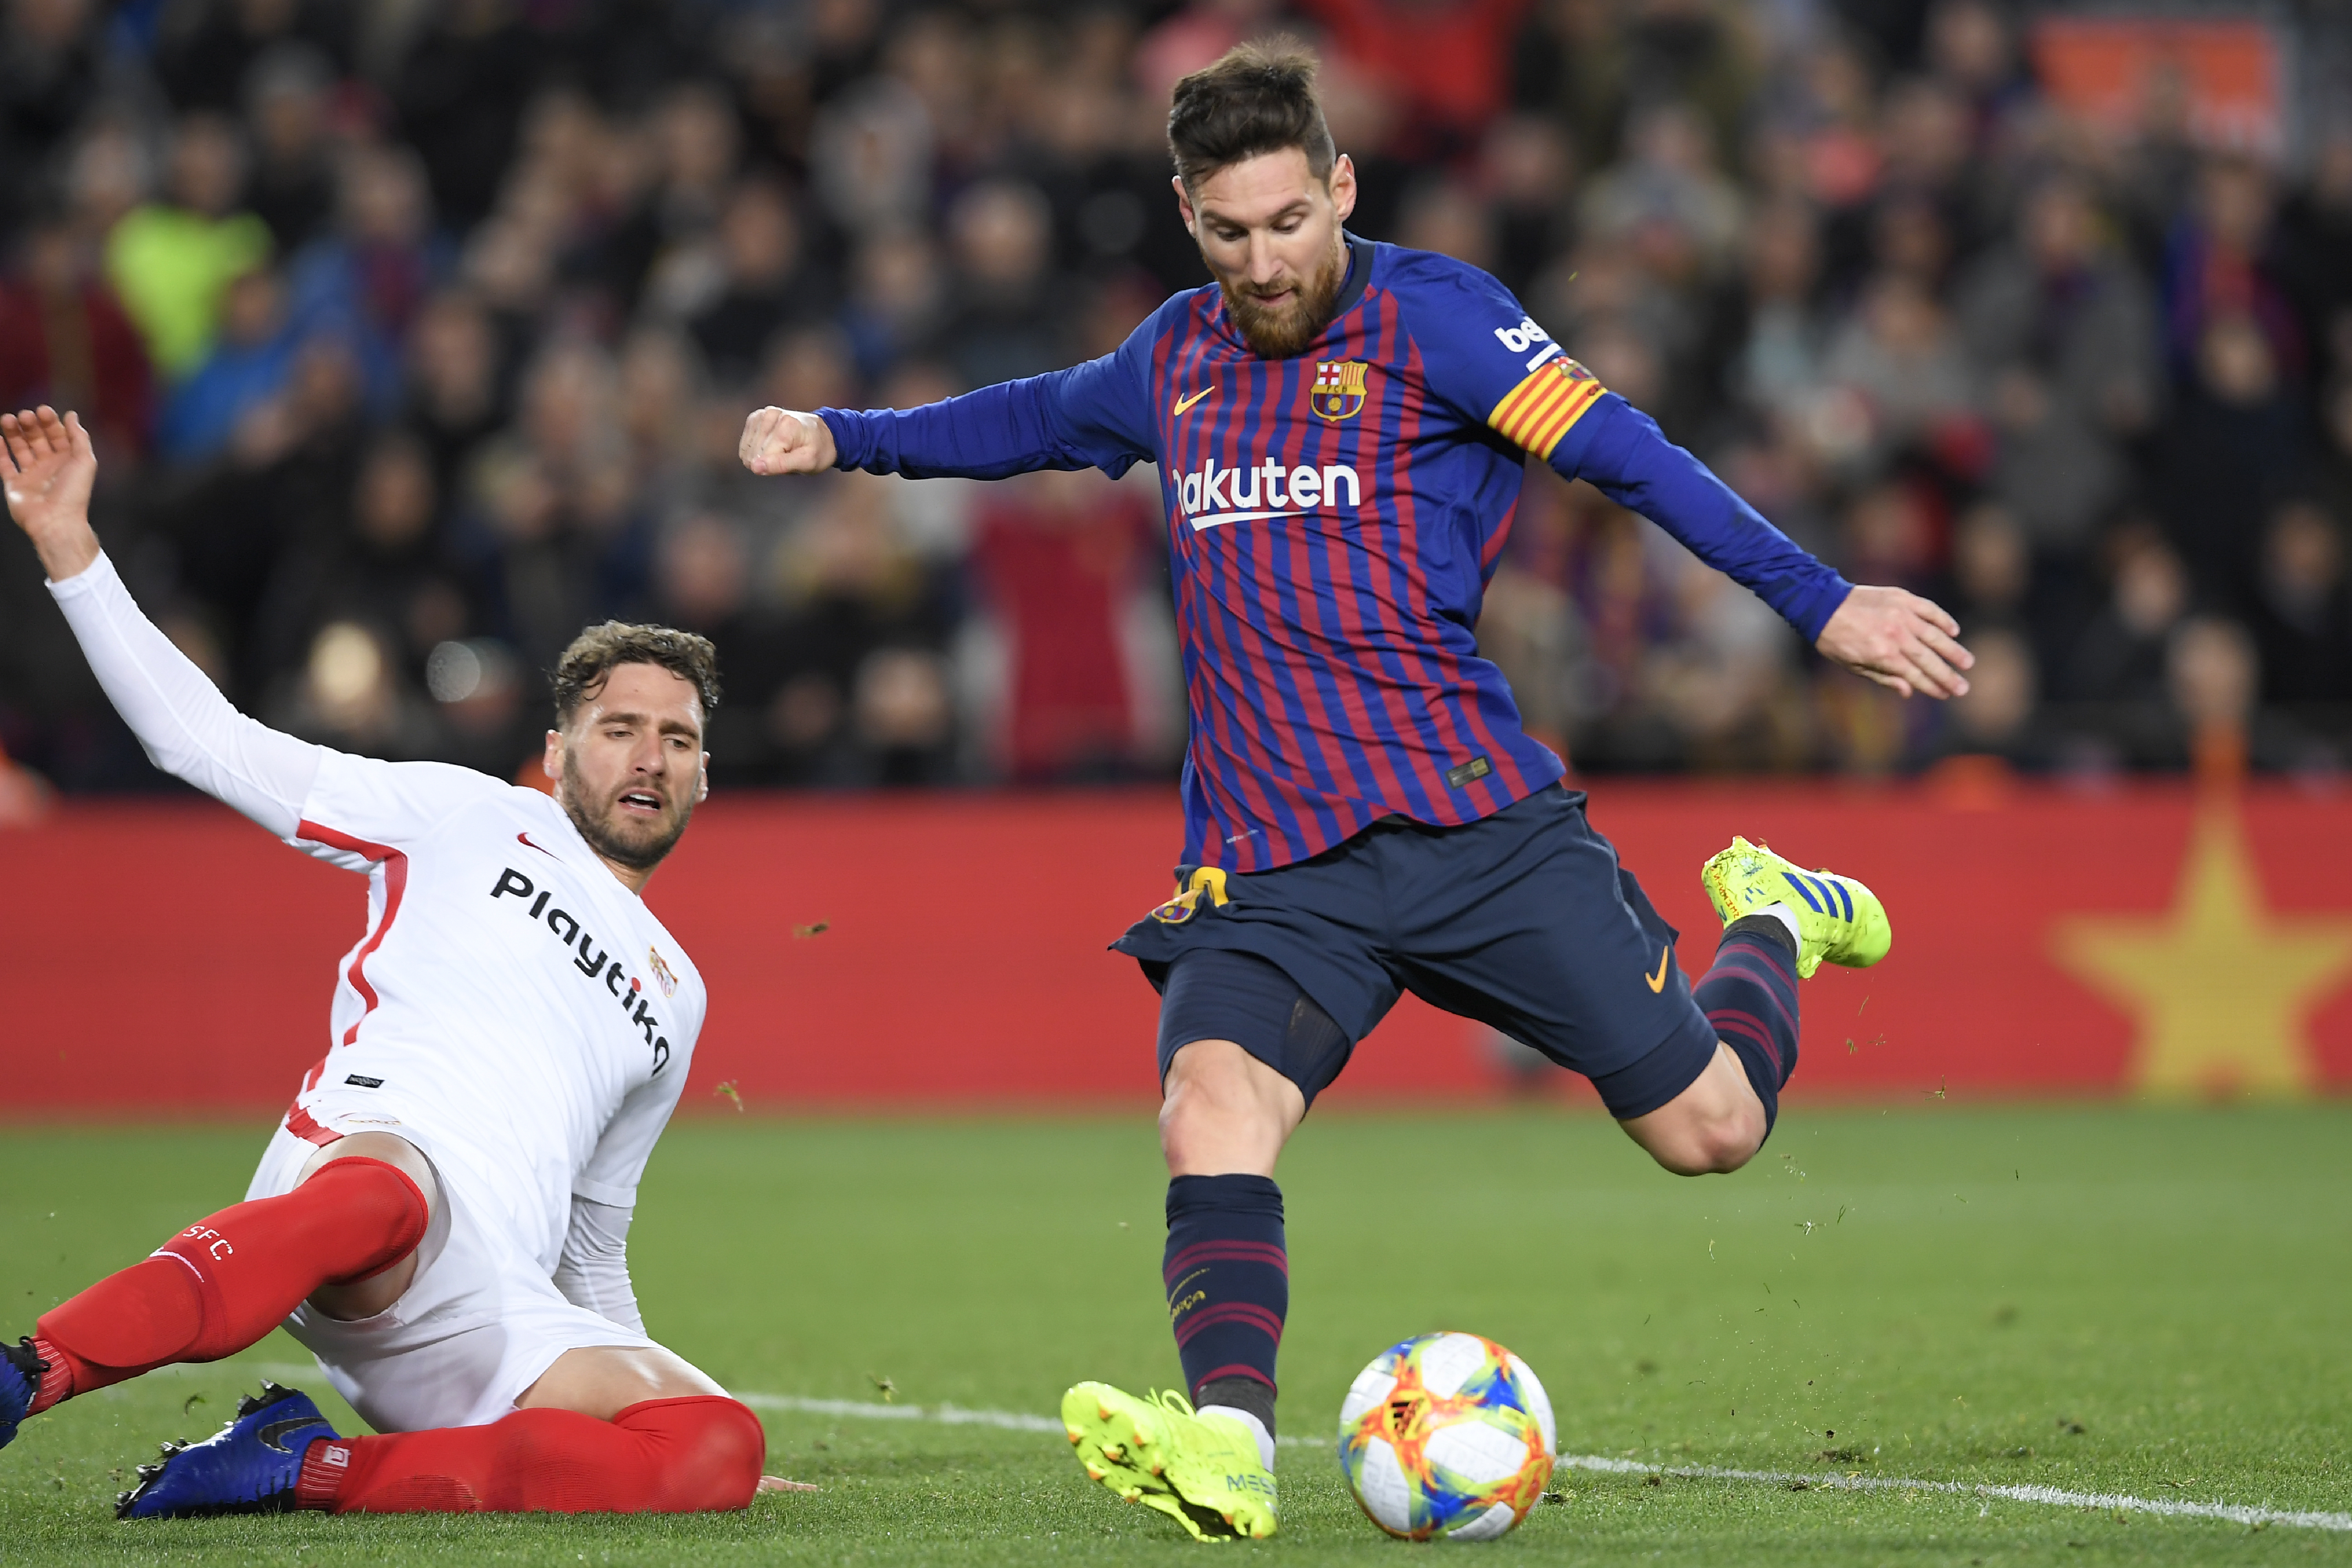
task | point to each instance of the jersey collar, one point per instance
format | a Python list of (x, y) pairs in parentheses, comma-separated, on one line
[(1360, 273)]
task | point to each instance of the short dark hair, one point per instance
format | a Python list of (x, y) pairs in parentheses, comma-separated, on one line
[(1259, 97), (595, 653)]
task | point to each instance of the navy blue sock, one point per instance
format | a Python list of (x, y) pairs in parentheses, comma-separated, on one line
[(1228, 1278), (1750, 997)]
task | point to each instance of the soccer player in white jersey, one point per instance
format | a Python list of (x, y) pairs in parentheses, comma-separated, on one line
[(442, 1216)]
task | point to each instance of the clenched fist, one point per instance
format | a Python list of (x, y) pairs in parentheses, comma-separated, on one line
[(780, 441)]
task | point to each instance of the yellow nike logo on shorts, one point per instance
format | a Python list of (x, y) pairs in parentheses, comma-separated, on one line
[(1658, 981)]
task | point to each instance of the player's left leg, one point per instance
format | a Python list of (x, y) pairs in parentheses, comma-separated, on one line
[(1780, 923), (226, 1280), (678, 1445), (608, 1429), (1526, 920)]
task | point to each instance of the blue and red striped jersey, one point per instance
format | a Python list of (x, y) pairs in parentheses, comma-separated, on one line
[(1333, 521)]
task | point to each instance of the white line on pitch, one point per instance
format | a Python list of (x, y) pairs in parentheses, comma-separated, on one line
[(950, 1414), (955, 1415), (2052, 1495)]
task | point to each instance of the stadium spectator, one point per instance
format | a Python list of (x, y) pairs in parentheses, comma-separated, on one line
[(1859, 258), (1063, 560), (2302, 625), (172, 261), (288, 117), (764, 283), (65, 340), (1007, 319), (2062, 334), (246, 365), (49, 74), (366, 281)]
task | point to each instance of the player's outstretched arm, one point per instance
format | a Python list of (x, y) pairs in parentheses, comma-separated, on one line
[(785, 441), (1091, 416), (1900, 641), (187, 727), (47, 468)]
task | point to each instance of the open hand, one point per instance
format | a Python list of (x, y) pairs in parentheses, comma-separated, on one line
[(780, 441), (1900, 641), (47, 468)]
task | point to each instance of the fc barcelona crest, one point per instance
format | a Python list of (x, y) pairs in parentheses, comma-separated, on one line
[(1339, 389)]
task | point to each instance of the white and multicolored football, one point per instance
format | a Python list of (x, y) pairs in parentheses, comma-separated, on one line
[(1447, 1436)]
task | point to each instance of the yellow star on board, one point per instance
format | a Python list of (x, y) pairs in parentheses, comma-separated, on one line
[(2223, 989)]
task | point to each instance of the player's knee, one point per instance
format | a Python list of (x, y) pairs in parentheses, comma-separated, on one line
[(1224, 1110), (1701, 1139), (711, 1450), (1712, 1145)]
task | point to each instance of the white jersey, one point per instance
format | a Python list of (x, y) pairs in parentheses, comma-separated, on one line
[(511, 1003), (511, 1008)]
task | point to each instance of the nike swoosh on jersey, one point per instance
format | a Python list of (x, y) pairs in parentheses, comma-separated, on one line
[(1184, 403), (1658, 981), (524, 839)]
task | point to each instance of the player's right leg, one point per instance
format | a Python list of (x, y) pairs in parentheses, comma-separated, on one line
[(607, 1428), (675, 1444), (490, 1391), (1242, 1050), (226, 1280)]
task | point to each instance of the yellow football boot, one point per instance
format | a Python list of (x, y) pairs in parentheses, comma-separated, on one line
[(1202, 1471), (1837, 918)]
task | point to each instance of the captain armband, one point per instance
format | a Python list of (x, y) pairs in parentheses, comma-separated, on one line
[(1545, 406)]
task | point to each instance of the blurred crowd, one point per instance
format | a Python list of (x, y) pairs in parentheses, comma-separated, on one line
[(415, 334)]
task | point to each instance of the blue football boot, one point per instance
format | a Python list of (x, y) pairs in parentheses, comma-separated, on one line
[(249, 1465), (20, 1379)]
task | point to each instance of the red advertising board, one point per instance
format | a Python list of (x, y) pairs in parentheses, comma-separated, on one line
[(2222, 77), (949, 951)]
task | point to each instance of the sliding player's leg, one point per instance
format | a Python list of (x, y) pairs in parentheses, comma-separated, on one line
[(608, 1429), (223, 1283), (1243, 1050), (651, 1435), (539, 1404)]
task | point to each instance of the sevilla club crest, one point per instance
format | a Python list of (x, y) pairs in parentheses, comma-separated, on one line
[(1339, 389)]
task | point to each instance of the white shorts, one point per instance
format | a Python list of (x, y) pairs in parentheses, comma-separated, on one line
[(480, 1324)]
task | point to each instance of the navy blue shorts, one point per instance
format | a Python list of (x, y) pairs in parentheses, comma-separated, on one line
[(1522, 920)]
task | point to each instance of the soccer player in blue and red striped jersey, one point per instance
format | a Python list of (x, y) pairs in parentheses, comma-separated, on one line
[(1341, 429)]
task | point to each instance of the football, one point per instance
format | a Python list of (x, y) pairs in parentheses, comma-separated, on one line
[(1446, 1435)]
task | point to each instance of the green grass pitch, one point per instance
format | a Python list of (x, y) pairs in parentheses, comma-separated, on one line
[(2153, 1303)]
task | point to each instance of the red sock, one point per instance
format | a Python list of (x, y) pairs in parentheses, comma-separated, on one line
[(224, 1282), (663, 1456)]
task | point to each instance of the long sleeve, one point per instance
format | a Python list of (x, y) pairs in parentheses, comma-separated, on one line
[(1091, 416), (188, 728), (594, 1270), (1622, 451), (1487, 357)]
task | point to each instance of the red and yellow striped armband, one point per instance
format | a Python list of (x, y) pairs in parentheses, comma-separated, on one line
[(1541, 409)]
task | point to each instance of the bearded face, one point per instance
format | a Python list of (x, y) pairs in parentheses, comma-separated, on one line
[(628, 766), (1285, 318), (634, 823), (1269, 228)]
